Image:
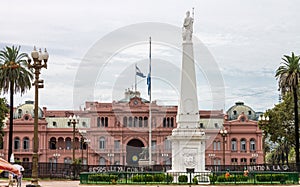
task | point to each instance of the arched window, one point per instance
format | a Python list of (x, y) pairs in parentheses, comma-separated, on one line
[(252, 145), (125, 121), (145, 121), (140, 122), (164, 122), (26, 143), (217, 145), (106, 122), (102, 143), (102, 161), (233, 145), (135, 123), (168, 145), (172, 122), (67, 160), (243, 161), (17, 143), (68, 143), (52, 143), (243, 145), (130, 122), (98, 121)]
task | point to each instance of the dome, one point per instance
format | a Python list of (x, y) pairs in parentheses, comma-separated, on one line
[(27, 108), (238, 109)]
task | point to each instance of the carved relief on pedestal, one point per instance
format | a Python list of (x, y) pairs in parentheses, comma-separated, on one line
[(189, 157)]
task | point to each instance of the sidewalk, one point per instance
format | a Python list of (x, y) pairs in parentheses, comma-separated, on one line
[(76, 184)]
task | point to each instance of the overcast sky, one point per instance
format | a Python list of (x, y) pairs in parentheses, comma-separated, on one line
[(245, 38)]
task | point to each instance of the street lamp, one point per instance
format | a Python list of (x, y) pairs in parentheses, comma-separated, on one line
[(39, 61), (223, 133), (110, 155), (56, 156), (74, 120), (82, 134), (264, 120), (87, 141)]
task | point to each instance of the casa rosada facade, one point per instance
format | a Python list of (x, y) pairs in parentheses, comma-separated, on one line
[(116, 134)]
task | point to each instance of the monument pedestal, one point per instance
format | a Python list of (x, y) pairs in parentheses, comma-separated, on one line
[(188, 150)]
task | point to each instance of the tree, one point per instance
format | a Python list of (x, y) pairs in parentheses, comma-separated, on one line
[(280, 127), (14, 77), (288, 78)]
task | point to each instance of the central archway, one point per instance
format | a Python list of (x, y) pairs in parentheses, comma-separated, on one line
[(133, 149)]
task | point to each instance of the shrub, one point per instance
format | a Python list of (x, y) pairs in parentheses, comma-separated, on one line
[(169, 178), (103, 177), (159, 177), (182, 178), (148, 178), (273, 177), (137, 178), (195, 180)]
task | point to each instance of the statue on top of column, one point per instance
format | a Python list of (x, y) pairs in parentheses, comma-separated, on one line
[(187, 29)]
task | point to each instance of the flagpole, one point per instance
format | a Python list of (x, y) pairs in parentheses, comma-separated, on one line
[(150, 112), (135, 80)]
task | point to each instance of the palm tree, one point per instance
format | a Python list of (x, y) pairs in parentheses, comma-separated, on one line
[(14, 77), (288, 75)]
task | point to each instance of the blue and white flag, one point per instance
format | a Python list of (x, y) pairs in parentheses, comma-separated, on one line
[(149, 84), (138, 72)]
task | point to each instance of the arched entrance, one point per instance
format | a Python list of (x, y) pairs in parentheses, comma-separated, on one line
[(133, 149)]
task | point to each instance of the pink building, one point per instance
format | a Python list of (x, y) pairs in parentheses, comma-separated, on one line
[(115, 133)]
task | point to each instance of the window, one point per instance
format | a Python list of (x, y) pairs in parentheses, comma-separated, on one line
[(243, 145), (135, 123), (201, 125), (164, 122), (234, 112), (26, 144), (252, 161), (25, 159), (130, 122), (233, 145), (217, 145), (98, 121), (102, 161), (153, 144), (172, 122), (216, 125), (67, 160), (84, 124), (102, 143), (140, 122), (217, 161), (125, 121), (17, 143), (54, 123), (68, 143), (117, 145), (249, 112), (234, 161), (252, 145), (69, 123), (19, 113), (145, 121), (243, 161), (52, 143)]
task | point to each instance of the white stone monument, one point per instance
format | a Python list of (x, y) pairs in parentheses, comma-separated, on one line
[(188, 140)]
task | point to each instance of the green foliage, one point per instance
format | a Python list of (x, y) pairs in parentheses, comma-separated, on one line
[(213, 178), (271, 177), (195, 180), (231, 178), (102, 178), (182, 178), (159, 177), (142, 178), (169, 178), (3, 113)]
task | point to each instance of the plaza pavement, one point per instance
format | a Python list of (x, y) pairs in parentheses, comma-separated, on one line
[(77, 184)]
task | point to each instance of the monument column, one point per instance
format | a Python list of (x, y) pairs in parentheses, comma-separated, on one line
[(188, 140)]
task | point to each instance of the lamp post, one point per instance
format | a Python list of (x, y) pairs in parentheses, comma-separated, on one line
[(87, 141), (74, 120), (223, 133), (82, 134), (110, 155), (56, 156), (39, 61), (263, 120)]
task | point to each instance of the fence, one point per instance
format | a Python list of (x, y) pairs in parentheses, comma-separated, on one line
[(64, 170), (189, 178)]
